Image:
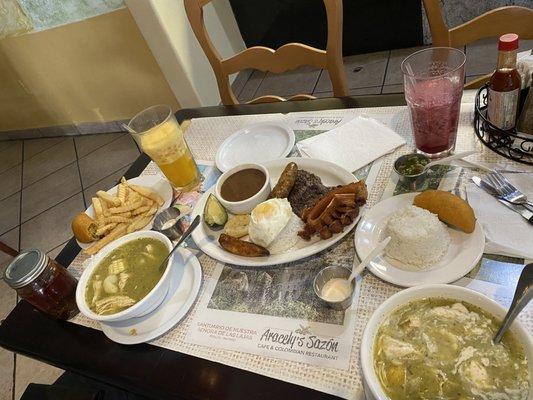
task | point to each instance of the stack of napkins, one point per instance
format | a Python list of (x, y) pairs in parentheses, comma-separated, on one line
[(352, 145), (506, 232)]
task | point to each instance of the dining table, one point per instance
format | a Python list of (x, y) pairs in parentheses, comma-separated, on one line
[(145, 369)]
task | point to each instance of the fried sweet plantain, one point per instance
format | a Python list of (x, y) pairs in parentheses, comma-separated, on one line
[(241, 248), (450, 208)]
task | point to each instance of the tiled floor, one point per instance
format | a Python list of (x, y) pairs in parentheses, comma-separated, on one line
[(45, 182), (373, 73)]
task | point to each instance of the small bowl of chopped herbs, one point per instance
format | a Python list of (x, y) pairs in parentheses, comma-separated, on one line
[(410, 168)]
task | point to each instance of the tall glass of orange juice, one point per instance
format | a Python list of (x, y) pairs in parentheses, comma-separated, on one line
[(160, 136)]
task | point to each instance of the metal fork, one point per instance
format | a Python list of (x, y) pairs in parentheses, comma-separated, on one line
[(507, 190)]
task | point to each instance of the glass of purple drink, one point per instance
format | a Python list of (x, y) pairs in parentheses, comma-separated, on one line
[(433, 81)]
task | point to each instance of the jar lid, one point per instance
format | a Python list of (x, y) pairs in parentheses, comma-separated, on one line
[(25, 268)]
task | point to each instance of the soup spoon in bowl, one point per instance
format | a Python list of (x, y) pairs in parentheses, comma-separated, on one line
[(185, 235), (522, 295)]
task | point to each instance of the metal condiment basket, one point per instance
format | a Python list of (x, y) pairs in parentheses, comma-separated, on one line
[(511, 144)]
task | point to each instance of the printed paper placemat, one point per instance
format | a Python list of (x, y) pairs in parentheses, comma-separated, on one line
[(267, 321)]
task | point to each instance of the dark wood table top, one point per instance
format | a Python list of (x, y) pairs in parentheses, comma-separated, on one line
[(150, 370)]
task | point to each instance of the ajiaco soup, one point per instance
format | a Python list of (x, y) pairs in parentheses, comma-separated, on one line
[(125, 276), (438, 348)]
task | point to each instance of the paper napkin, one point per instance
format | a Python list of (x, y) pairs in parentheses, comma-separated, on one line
[(506, 232), (352, 145)]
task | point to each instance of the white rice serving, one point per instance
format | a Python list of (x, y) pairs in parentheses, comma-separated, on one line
[(418, 238), (288, 237)]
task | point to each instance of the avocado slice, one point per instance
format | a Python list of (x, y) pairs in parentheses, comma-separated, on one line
[(215, 215)]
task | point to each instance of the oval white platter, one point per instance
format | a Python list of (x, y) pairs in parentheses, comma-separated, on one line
[(330, 174), (463, 254), (185, 284), (255, 143), (154, 182)]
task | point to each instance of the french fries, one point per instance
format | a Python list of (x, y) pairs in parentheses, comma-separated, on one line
[(118, 231), (145, 192), (98, 210), (116, 219), (141, 210), (139, 222), (104, 229), (105, 209), (112, 200), (122, 192), (131, 209), (152, 210), (126, 207)]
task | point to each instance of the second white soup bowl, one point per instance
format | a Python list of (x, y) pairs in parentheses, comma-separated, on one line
[(371, 383)]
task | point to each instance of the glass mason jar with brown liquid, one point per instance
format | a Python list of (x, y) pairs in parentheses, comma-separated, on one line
[(43, 283), (504, 85)]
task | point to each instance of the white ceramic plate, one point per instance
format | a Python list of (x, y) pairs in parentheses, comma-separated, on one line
[(331, 175), (184, 287), (255, 144), (153, 182), (464, 253)]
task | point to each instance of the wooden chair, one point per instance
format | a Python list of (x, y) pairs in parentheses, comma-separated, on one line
[(493, 23), (287, 57), (4, 248)]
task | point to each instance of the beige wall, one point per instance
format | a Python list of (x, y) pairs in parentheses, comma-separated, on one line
[(96, 70), (165, 27)]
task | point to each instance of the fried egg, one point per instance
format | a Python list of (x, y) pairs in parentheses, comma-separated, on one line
[(268, 219)]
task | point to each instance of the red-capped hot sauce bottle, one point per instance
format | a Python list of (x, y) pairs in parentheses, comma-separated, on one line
[(504, 85)]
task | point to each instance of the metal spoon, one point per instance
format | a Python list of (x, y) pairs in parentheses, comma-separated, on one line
[(185, 235), (357, 269), (127, 127), (522, 295), (411, 181), (450, 158)]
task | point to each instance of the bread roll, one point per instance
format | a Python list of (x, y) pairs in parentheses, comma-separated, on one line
[(450, 208), (84, 228)]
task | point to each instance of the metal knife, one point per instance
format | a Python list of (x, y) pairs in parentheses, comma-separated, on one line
[(487, 187)]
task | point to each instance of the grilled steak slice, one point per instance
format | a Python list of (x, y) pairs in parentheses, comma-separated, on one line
[(307, 189)]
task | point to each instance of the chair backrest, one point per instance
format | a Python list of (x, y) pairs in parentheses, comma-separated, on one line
[(493, 23), (287, 57)]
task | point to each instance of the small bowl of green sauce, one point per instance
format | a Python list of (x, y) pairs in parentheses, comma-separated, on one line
[(410, 168)]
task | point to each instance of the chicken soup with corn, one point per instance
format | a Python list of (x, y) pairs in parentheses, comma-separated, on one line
[(125, 276), (438, 348)]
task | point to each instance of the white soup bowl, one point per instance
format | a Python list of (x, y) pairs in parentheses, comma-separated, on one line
[(146, 304), (372, 385)]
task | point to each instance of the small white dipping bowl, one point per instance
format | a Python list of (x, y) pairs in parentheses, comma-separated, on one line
[(372, 385), (247, 205), (144, 306)]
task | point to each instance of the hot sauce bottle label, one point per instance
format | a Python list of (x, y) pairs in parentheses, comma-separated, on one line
[(501, 110)]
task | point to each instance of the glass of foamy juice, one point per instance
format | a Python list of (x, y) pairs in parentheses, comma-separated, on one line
[(160, 136), (433, 82)]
